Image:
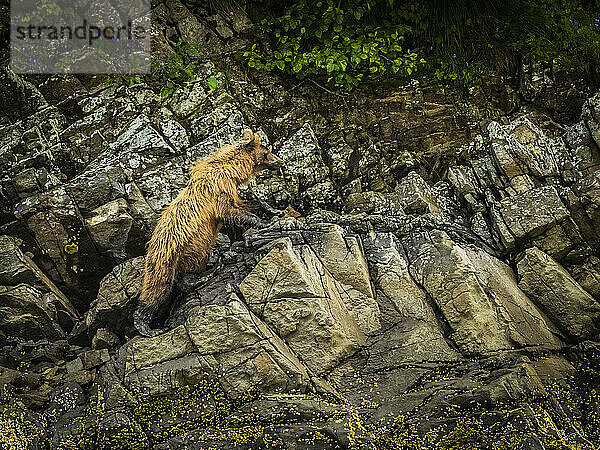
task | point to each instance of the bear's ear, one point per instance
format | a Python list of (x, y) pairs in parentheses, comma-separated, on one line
[(247, 136)]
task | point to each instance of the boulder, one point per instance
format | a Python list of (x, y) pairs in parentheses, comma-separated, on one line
[(341, 253), (478, 296), (587, 275), (294, 293), (116, 429), (26, 313), (371, 202), (104, 339), (94, 358), (227, 344), (591, 116), (70, 254), (22, 97), (560, 91), (18, 268), (538, 216), (109, 227), (415, 195), (113, 307), (551, 287), (64, 398), (524, 152), (416, 335), (305, 175)]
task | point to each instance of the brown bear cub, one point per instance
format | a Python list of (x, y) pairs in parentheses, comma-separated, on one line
[(188, 227)]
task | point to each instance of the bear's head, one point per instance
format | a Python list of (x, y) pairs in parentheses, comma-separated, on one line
[(261, 155)]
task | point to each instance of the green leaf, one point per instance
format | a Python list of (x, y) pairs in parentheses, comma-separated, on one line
[(212, 83)]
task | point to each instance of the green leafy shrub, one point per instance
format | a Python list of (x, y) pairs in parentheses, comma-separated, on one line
[(180, 67), (343, 42), (556, 29), (127, 80), (335, 41)]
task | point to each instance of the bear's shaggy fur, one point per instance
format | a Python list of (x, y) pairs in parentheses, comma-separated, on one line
[(188, 227)]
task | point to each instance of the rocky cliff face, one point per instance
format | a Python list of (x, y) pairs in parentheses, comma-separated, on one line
[(435, 281)]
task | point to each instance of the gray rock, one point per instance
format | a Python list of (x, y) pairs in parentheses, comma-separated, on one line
[(523, 151), (266, 361), (587, 276), (478, 296), (591, 116), (74, 365), (370, 202), (116, 301), (104, 339), (64, 398), (33, 180), (18, 267), (56, 222), (227, 343), (538, 216), (22, 97), (416, 195), (588, 189), (26, 313), (78, 426), (188, 100), (551, 287), (294, 293), (416, 335), (558, 90), (117, 429), (304, 172), (408, 326), (341, 253), (109, 227), (94, 358)]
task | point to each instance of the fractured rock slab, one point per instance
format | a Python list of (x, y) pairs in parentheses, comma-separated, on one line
[(478, 295), (292, 291), (548, 284), (228, 342), (538, 215)]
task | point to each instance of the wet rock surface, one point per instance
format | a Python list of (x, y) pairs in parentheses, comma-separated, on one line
[(434, 282)]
